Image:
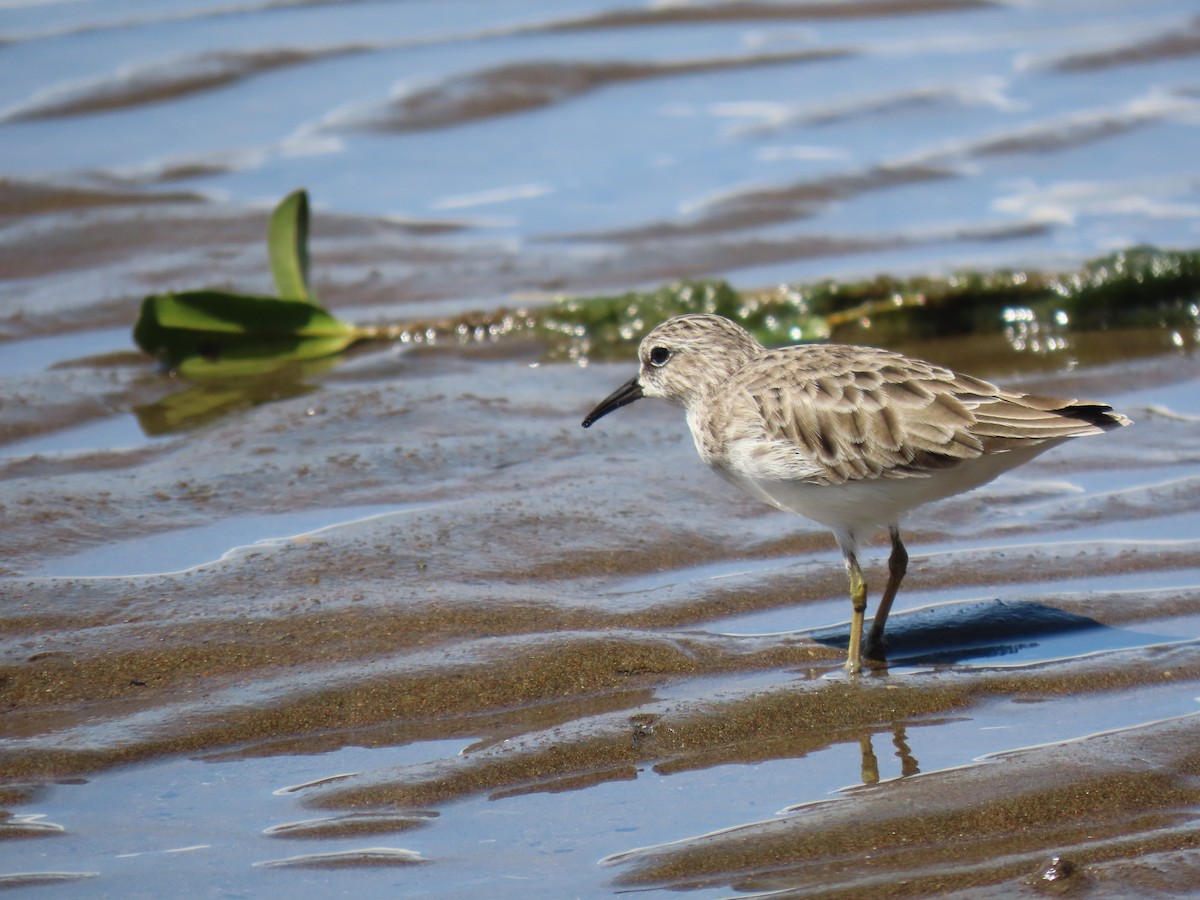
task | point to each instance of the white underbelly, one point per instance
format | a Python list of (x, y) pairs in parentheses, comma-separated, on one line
[(868, 505)]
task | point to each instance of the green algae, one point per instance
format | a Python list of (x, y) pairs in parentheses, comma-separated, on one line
[(1138, 287)]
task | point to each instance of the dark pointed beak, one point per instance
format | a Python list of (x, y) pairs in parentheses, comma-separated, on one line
[(622, 396)]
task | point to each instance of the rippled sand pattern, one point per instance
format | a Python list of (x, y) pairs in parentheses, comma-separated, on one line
[(401, 626), (573, 610)]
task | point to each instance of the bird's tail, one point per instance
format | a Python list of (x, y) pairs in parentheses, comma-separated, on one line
[(1015, 419), (1098, 415), (1075, 418)]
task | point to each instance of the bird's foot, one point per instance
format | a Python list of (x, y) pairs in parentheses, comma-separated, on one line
[(875, 650), (873, 658)]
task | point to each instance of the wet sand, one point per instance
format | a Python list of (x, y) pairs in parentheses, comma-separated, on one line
[(396, 623), (579, 609)]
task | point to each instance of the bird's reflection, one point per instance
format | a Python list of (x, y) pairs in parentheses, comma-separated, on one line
[(870, 762)]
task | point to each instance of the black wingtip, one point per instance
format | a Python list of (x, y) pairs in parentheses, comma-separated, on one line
[(1100, 415)]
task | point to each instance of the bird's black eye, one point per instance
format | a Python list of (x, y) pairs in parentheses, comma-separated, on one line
[(659, 356)]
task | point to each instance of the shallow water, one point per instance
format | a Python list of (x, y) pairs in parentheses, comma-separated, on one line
[(212, 819), (402, 626), (183, 549)]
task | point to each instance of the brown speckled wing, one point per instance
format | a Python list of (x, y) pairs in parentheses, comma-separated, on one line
[(856, 413)]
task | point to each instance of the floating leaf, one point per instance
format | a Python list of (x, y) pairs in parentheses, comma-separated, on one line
[(220, 334), (287, 247)]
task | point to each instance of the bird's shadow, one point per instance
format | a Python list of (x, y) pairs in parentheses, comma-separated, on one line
[(1017, 630)]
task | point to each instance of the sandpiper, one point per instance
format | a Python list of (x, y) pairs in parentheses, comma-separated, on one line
[(850, 437)]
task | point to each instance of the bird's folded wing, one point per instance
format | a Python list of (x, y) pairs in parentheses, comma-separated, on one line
[(840, 419)]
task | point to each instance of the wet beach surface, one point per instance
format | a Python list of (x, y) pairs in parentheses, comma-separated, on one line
[(397, 624)]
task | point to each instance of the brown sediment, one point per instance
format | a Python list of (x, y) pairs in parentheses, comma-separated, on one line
[(780, 725), (353, 825), (806, 716), (104, 236), (1175, 44), (83, 242), (71, 413), (667, 249), (535, 672), (141, 665), (773, 205), (870, 105), (32, 879), (657, 258), (12, 828), (1060, 136), (518, 87), (373, 858), (15, 793), (221, 11), (996, 823), (1049, 136), (757, 11), (225, 652), (26, 198), (767, 206), (173, 79)]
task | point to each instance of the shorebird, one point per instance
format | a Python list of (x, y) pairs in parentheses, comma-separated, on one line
[(850, 437)]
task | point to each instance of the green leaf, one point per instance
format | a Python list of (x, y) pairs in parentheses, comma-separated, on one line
[(226, 312), (287, 247), (219, 334)]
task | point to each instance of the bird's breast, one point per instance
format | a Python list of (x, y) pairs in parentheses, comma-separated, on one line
[(708, 430)]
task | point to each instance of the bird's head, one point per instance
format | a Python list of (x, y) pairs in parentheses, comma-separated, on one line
[(682, 360)]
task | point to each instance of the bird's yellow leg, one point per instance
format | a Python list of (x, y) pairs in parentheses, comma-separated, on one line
[(897, 566), (858, 602)]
